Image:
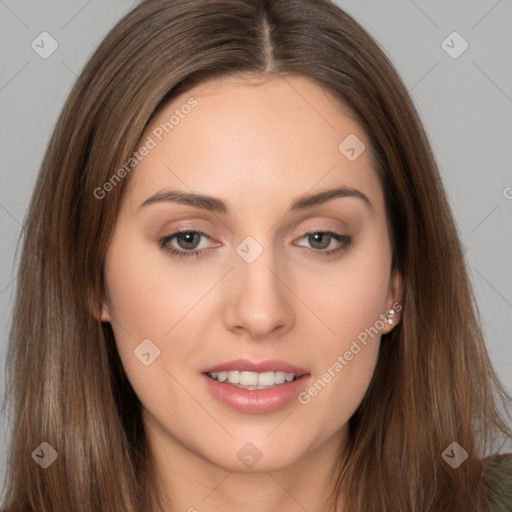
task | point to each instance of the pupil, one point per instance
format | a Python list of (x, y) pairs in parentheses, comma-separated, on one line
[(190, 240), (318, 238)]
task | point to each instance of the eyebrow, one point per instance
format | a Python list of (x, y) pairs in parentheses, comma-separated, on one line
[(216, 205)]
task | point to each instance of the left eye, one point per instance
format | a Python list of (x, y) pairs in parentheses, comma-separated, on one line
[(321, 240)]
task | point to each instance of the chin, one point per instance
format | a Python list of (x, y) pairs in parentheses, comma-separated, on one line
[(255, 454)]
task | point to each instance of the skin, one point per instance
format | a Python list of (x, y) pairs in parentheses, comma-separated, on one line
[(258, 145)]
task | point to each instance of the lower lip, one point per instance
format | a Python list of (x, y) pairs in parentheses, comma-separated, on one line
[(256, 400)]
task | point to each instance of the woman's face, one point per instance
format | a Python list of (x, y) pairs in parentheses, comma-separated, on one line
[(277, 275)]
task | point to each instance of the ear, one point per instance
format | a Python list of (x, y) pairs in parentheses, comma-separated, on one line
[(99, 312), (394, 300), (104, 314)]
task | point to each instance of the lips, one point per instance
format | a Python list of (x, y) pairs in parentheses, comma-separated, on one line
[(247, 365), (266, 400)]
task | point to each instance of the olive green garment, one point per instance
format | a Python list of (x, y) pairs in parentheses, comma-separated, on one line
[(500, 468)]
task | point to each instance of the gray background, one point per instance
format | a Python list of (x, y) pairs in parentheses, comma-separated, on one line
[(465, 103)]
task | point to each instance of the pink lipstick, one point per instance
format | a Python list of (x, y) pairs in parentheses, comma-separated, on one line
[(255, 386)]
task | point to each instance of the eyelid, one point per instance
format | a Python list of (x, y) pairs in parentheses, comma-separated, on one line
[(167, 238), (344, 240)]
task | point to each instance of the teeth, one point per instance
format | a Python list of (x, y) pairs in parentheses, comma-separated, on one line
[(280, 377), (234, 377), (253, 380), (263, 379), (249, 379)]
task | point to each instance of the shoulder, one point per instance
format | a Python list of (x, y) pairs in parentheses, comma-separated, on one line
[(498, 467)]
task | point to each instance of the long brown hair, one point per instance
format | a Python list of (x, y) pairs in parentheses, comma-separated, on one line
[(433, 384)]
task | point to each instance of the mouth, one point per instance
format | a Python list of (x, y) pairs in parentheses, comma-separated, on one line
[(253, 380), (255, 386)]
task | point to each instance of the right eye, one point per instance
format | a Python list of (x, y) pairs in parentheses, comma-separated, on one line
[(187, 241)]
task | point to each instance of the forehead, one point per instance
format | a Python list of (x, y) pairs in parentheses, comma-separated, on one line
[(240, 136)]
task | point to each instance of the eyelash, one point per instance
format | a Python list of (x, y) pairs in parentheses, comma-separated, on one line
[(345, 240)]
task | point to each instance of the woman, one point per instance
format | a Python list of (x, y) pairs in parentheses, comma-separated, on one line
[(241, 283)]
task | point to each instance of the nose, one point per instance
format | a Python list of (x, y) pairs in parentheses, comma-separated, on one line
[(259, 298)]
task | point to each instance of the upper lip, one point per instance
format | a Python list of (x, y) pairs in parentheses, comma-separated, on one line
[(247, 365)]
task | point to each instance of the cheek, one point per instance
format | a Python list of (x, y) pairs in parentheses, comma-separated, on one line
[(344, 364), (147, 294), (350, 294), (148, 299), (350, 300)]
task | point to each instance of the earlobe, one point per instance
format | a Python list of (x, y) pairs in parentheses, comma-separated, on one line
[(99, 311), (104, 314), (394, 309)]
